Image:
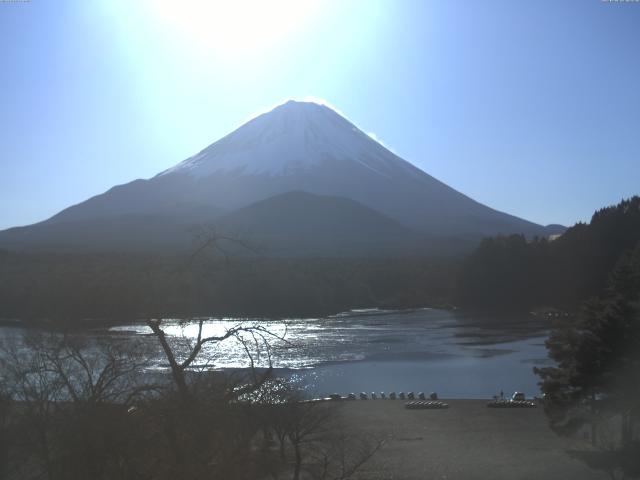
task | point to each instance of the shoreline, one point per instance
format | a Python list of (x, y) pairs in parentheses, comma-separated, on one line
[(490, 318)]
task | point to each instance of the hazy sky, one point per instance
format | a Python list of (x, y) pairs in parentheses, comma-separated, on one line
[(531, 107)]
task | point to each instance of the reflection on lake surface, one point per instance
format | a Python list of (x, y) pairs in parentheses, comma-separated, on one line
[(458, 356)]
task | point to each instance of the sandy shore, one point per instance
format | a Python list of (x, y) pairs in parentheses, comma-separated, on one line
[(466, 441)]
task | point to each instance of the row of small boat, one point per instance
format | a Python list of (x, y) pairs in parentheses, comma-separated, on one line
[(382, 396), (425, 405), (422, 402), (394, 396), (511, 404)]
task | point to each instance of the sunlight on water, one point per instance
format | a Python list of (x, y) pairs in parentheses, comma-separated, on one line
[(460, 356)]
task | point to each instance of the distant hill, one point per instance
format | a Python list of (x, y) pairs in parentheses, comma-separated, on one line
[(296, 147), (300, 223)]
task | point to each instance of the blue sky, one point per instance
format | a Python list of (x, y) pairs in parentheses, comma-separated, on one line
[(532, 108)]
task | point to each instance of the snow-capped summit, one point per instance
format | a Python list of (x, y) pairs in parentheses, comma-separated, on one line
[(293, 136)]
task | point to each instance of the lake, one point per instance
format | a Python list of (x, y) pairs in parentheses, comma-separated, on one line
[(456, 355)]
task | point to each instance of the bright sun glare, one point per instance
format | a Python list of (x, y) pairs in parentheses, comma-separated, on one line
[(235, 28)]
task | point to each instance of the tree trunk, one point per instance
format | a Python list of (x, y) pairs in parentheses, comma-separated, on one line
[(593, 423), (298, 456), (177, 372), (626, 429), (175, 447)]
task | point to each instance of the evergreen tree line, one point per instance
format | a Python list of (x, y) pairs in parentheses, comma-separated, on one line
[(513, 273), (594, 386), (113, 288)]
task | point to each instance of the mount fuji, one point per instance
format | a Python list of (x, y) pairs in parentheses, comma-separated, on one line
[(300, 179)]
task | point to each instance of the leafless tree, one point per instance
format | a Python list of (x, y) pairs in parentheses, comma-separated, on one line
[(69, 403), (323, 448), (5, 415), (255, 339), (312, 439), (341, 453)]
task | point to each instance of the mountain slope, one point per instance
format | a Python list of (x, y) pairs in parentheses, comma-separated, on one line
[(132, 232), (298, 146)]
